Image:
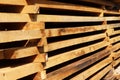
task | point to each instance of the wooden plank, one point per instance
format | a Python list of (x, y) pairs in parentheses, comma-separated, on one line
[(109, 31), (30, 9), (112, 18), (34, 26), (57, 59), (13, 2), (76, 66), (21, 71), (16, 53), (87, 73), (117, 54), (116, 47), (110, 75), (73, 30), (114, 32), (9, 36), (115, 39), (116, 62), (14, 17), (70, 42), (99, 75), (111, 12), (66, 6), (114, 25), (61, 18)]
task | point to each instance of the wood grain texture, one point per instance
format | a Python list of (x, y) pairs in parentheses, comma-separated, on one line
[(57, 59), (21, 71), (18, 35), (76, 66)]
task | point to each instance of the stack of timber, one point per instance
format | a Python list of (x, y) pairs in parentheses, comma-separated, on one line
[(20, 57), (77, 40), (114, 36), (59, 40)]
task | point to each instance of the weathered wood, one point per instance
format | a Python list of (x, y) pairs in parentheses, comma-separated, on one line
[(70, 42), (60, 18), (76, 66), (14, 17), (18, 35), (21, 71), (87, 73), (57, 59), (99, 75), (73, 30), (16, 53)]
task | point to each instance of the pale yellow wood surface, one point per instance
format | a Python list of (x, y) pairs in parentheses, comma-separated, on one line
[(14, 17), (13, 2), (59, 18), (114, 39), (18, 35), (73, 30), (30, 9), (20, 52), (70, 42), (21, 71)]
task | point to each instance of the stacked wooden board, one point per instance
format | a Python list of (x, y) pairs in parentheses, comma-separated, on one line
[(20, 35), (59, 40)]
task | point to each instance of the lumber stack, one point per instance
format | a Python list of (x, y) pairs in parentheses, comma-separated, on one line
[(20, 57), (78, 43), (59, 40)]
